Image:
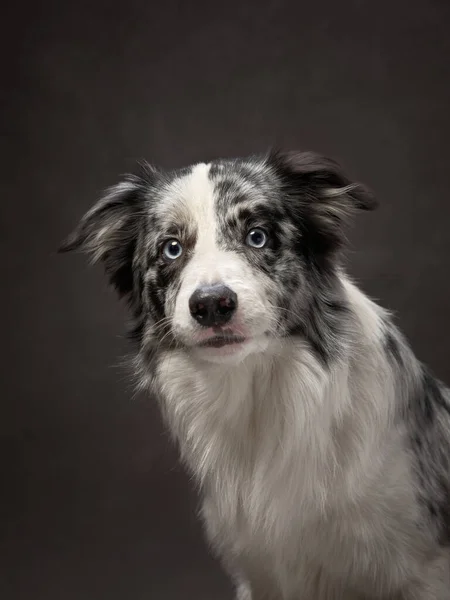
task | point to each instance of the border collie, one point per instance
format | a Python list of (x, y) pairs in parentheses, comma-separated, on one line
[(319, 443)]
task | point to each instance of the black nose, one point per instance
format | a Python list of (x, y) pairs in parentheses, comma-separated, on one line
[(212, 304)]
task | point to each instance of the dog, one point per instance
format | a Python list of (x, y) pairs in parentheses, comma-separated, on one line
[(319, 443)]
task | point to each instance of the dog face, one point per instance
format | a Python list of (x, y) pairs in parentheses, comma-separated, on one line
[(220, 258)]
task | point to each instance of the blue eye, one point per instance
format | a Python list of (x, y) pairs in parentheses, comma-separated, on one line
[(172, 249), (256, 238)]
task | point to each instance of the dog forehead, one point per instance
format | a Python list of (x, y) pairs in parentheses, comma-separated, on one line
[(201, 192), (188, 198), (237, 180)]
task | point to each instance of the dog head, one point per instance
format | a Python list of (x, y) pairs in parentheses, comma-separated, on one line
[(220, 258)]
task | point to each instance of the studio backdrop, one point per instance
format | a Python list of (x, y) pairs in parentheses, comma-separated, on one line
[(93, 503)]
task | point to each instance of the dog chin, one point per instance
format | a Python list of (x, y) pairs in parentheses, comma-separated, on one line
[(231, 353)]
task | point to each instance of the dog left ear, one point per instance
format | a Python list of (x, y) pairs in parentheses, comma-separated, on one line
[(323, 194), (109, 231)]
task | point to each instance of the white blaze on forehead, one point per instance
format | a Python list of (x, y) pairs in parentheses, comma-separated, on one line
[(188, 201)]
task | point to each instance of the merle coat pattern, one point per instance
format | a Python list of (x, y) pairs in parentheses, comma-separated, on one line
[(319, 443)]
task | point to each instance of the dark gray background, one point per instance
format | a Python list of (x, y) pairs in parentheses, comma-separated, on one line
[(93, 504)]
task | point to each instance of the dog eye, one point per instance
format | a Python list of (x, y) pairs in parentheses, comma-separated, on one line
[(172, 249), (256, 238)]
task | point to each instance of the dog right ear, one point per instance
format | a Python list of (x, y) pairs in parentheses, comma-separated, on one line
[(109, 231)]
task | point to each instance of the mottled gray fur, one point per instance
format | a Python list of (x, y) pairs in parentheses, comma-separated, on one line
[(320, 444)]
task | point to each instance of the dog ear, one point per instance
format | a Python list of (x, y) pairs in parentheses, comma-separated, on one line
[(325, 198), (108, 232)]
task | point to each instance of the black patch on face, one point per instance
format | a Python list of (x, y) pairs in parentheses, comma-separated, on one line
[(429, 420), (273, 215)]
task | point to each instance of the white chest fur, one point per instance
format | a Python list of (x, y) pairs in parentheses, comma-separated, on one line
[(288, 463)]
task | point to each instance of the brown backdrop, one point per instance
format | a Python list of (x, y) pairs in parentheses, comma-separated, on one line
[(93, 504)]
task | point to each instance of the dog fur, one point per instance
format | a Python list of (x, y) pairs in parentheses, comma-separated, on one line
[(320, 445)]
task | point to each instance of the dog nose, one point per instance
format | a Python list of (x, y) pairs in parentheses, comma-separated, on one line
[(213, 305)]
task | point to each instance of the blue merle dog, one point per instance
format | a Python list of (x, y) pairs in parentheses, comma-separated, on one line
[(319, 443)]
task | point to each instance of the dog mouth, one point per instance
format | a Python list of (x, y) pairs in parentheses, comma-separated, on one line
[(219, 341)]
